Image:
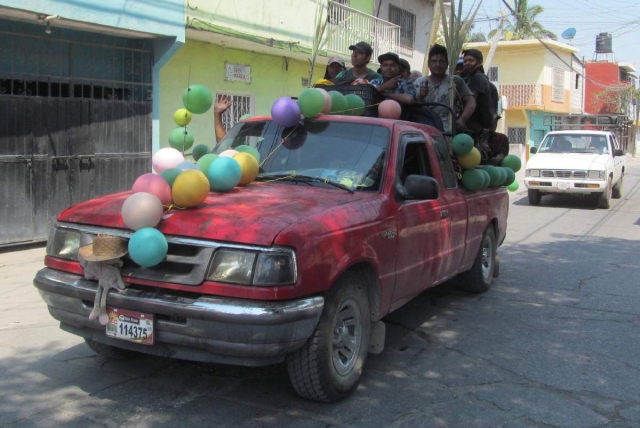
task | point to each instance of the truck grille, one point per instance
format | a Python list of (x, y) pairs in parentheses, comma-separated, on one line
[(563, 173)]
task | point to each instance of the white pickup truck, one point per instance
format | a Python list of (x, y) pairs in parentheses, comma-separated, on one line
[(584, 162)]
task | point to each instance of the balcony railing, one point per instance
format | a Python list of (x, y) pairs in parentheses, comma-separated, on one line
[(348, 26), (522, 95)]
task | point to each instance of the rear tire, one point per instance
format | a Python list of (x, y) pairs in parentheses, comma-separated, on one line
[(328, 367), (478, 279), (617, 191), (534, 197), (605, 197), (111, 352)]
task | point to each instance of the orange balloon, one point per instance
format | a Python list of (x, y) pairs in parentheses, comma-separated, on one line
[(389, 109), (249, 165), (190, 188)]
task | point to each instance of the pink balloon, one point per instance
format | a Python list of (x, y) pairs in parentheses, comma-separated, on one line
[(166, 158), (142, 210), (228, 153), (154, 184), (389, 109), (327, 101)]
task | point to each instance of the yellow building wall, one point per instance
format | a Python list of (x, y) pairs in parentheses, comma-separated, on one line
[(553, 106), (517, 66)]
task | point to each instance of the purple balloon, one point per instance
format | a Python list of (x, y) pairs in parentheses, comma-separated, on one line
[(285, 112), (183, 166)]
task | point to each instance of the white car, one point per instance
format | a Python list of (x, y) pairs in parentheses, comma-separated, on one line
[(577, 162)]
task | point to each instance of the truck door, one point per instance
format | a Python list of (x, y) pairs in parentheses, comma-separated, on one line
[(423, 226), (617, 160)]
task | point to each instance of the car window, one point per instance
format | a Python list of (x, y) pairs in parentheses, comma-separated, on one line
[(575, 143)]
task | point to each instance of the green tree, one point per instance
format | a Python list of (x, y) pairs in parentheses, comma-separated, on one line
[(616, 98), (474, 36), (525, 24)]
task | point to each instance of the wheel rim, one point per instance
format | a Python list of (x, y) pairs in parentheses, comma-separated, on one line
[(347, 336), (487, 257)]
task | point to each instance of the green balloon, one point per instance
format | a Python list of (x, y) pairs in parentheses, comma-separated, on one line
[(170, 175), (199, 151), (513, 186), (487, 178), (494, 175), (311, 102), (503, 176), (472, 179), (513, 162), (197, 99), (181, 138), (205, 162), (355, 104), (462, 144), (248, 149), (511, 177), (338, 103), (245, 116)]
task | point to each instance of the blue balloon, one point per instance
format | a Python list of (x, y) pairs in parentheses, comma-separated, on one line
[(183, 166), (224, 174), (148, 247)]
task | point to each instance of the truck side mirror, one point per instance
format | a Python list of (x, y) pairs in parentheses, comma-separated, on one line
[(618, 152), (421, 187), (533, 150)]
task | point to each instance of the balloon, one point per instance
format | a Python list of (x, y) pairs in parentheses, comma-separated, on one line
[(511, 177), (494, 174), (294, 138), (389, 109), (355, 104), (285, 112), (142, 210), (181, 138), (513, 162), (248, 149), (513, 186), (327, 101), (183, 166), (316, 126), (338, 103), (486, 177), (182, 117), (228, 153), (190, 188), (199, 151), (224, 174), (148, 247), (462, 144), (166, 158), (245, 116), (154, 184), (205, 161), (170, 175), (470, 160), (249, 166), (503, 175), (472, 179), (311, 102), (197, 99)]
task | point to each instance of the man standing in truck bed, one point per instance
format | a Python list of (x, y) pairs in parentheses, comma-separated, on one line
[(360, 56)]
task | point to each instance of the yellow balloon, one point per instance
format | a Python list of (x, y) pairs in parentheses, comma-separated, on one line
[(182, 117), (190, 188), (249, 165), (323, 82), (470, 160)]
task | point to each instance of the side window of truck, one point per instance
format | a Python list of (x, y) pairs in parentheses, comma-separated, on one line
[(446, 166), (414, 159)]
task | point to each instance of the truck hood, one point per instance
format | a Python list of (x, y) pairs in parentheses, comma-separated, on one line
[(581, 161), (249, 215)]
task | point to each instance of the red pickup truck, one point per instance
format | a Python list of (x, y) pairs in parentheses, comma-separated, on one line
[(348, 220)]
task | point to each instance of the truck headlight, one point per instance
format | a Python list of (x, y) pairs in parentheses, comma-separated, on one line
[(244, 267), (595, 174), (63, 243), (533, 172)]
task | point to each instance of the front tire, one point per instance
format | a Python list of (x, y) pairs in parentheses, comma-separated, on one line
[(617, 190), (605, 197), (534, 197), (328, 367), (478, 279)]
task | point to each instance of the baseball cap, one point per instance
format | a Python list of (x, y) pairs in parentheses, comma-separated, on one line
[(389, 56), (363, 47), (336, 58), (460, 61), (405, 64)]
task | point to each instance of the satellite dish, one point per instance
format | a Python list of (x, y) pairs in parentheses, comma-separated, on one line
[(568, 34)]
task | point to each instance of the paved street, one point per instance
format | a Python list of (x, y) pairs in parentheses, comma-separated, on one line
[(554, 343)]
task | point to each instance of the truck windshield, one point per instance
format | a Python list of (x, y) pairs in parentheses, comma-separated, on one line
[(349, 154), (574, 143)]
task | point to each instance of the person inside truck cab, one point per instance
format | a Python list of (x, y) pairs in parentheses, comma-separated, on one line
[(561, 144), (599, 144), (391, 84), (360, 56)]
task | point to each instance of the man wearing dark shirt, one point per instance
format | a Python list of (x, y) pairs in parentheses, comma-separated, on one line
[(498, 144), (473, 74), (360, 56)]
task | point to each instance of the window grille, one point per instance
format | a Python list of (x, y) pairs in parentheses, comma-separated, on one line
[(517, 135), (493, 74), (557, 85), (242, 104), (407, 22)]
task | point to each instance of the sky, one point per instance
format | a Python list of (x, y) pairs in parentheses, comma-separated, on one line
[(620, 18)]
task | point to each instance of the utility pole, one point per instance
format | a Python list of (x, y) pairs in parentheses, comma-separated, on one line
[(494, 43)]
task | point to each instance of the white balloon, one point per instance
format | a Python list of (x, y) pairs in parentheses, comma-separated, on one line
[(166, 158), (228, 153), (142, 210)]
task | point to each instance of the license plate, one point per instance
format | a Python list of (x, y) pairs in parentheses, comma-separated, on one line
[(130, 325), (564, 185)]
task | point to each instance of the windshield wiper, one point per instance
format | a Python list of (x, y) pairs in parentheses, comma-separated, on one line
[(305, 179)]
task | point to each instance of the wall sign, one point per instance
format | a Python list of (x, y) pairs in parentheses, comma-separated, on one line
[(237, 72)]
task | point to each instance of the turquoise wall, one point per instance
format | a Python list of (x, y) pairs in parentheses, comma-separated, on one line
[(536, 120)]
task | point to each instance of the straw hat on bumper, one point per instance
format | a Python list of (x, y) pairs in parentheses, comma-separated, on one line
[(104, 247)]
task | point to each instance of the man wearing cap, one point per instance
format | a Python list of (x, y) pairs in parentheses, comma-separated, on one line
[(473, 74), (459, 66), (334, 67), (405, 69), (360, 56), (391, 84)]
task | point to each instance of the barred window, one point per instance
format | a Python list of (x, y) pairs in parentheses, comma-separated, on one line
[(493, 74), (517, 135), (242, 104), (407, 22), (557, 85)]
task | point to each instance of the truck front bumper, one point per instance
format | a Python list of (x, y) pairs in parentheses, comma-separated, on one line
[(207, 329), (558, 185)]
